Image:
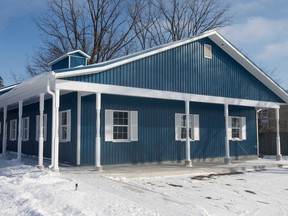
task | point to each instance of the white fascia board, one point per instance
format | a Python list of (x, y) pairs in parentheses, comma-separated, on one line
[(8, 87), (157, 94), (28, 89), (128, 60), (248, 65)]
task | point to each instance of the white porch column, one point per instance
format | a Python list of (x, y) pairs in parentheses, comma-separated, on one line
[(4, 140), (98, 139), (78, 128), (278, 146), (227, 159), (19, 147), (41, 138), (56, 130), (187, 113)]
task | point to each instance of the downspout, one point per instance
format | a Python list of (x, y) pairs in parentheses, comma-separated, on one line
[(53, 122)]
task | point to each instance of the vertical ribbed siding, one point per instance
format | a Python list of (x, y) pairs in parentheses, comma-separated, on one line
[(184, 69), (156, 131), (88, 130)]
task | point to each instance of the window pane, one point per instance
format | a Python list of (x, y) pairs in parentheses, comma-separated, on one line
[(64, 118), (235, 122), (235, 133)]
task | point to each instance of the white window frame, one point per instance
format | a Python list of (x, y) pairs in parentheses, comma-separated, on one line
[(241, 128), (132, 126), (208, 51), (66, 126), (180, 124), (13, 130), (44, 127), (25, 130)]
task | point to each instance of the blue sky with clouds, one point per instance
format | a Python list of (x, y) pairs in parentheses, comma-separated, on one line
[(259, 31)]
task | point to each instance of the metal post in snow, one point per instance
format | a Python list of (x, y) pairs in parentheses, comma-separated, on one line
[(187, 114), (41, 137), (19, 146), (227, 159), (278, 146), (98, 139)]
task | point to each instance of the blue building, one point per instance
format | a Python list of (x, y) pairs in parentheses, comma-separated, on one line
[(192, 99)]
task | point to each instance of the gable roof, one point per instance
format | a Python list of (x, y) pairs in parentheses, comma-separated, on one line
[(69, 54), (213, 35)]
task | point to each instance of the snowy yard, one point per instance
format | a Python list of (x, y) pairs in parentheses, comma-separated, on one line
[(24, 190)]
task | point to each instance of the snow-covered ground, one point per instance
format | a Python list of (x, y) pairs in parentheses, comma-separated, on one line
[(25, 190)]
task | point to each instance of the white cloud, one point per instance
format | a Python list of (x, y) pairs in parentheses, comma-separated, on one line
[(256, 29), (274, 50)]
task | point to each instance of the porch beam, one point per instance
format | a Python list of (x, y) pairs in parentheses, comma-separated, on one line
[(227, 159), (19, 146), (98, 138), (187, 113), (4, 138), (278, 145), (41, 137)]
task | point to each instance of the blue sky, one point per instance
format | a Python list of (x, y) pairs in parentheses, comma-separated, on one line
[(259, 31)]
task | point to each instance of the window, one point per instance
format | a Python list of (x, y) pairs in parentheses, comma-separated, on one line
[(237, 128), (180, 127), (65, 125), (207, 51), (44, 127), (121, 126), (25, 129), (13, 129)]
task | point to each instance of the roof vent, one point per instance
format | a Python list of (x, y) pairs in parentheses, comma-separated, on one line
[(70, 60)]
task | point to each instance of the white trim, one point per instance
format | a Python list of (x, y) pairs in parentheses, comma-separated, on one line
[(67, 126), (24, 138), (8, 87), (159, 94), (109, 126), (12, 130), (207, 51), (68, 54), (98, 127)]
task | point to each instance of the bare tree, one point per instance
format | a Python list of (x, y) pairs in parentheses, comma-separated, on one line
[(172, 20), (1, 82), (101, 28), (107, 29)]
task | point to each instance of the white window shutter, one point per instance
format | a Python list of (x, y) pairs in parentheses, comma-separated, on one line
[(133, 126), (178, 126), (60, 127), (45, 127), (68, 125), (229, 127), (196, 129), (108, 125), (243, 127)]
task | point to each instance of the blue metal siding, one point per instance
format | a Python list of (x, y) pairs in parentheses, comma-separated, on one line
[(184, 69), (156, 131), (68, 150), (64, 63), (88, 130)]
